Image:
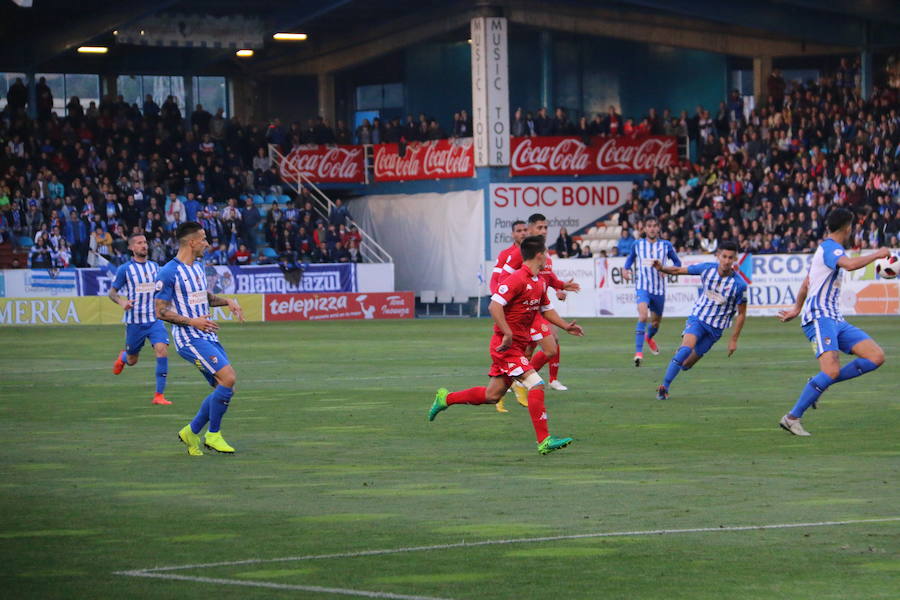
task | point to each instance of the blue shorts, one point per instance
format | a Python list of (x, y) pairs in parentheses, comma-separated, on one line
[(137, 333), (706, 335), (828, 334), (209, 357), (655, 302)]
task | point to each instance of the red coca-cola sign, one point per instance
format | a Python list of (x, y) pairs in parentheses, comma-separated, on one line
[(324, 164), (339, 306), (438, 159), (603, 156)]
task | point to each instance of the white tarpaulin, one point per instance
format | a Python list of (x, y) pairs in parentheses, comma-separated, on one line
[(436, 240)]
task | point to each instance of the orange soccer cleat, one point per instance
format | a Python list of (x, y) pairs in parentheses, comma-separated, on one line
[(118, 365), (160, 399)]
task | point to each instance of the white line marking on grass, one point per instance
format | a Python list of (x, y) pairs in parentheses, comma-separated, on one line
[(278, 586), (165, 572)]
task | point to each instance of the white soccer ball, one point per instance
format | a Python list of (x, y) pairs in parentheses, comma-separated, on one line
[(887, 268)]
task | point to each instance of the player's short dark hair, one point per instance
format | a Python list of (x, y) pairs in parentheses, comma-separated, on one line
[(728, 245), (651, 220), (535, 218), (518, 222), (838, 219), (135, 235), (186, 229), (532, 246)]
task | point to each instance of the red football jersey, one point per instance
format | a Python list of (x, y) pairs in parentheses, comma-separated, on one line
[(502, 268), (522, 296), (514, 262)]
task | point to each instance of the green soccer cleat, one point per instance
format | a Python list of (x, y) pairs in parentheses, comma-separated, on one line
[(191, 440), (215, 441), (551, 443), (439, 404)]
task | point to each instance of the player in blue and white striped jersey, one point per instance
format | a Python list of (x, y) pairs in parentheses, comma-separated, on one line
[(819, 303), (722, 294), (649, 285), (136, 282), (183, 300)]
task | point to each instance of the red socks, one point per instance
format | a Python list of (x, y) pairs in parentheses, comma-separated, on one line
[(538, 360), (473, 395), (538, 413), (554, 366)]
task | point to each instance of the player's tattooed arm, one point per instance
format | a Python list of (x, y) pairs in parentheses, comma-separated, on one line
[(232, 305), (164, 311), (113, 295)]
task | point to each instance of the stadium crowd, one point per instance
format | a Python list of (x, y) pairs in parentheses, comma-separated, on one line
[(73, 189), (77, 186)]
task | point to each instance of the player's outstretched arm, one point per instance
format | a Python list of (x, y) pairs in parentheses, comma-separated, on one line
[(786, 315), (496, 310), (232, 305), (738, 326), (670, 270), (553, 317), (858, 262)]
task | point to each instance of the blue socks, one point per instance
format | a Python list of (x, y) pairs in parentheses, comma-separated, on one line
[(651, 331), (675, 366), (218, 404), (811, 392), (855, 368), (821, 382), (212, 409), (162, 369), (639, 336), (124, 358)]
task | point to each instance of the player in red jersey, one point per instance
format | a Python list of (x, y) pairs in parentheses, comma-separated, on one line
[(513, 307), (502, 270), (542, 333)]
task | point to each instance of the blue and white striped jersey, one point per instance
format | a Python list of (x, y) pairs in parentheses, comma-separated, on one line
[(719, 296), (184, 287), (643, 253), (137, 282), (824, 294)]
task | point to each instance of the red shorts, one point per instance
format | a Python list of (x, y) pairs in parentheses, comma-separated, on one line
[(540, 328), (511, 363)]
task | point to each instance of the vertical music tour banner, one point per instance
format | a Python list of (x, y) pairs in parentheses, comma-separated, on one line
[(490, 91)]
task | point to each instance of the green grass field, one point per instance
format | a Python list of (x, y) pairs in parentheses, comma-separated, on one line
[(335, 456)]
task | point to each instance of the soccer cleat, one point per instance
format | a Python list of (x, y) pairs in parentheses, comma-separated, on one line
[(558, 386), (191, 440), (638, 358), (160, 399), (521, 393), (500, 408), (551, 443), (793, 426), (215, 441), (439, 404), (118, 365), (651, 344), (662, 393)]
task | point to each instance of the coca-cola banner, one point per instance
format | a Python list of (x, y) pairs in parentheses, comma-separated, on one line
[(571, 204), (326, 307), (604, 155), (438, 159), (324, 164)]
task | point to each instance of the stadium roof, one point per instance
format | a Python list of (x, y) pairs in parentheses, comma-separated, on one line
[(357, 30)]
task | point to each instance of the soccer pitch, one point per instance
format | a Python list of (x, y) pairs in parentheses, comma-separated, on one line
[(341, 488)]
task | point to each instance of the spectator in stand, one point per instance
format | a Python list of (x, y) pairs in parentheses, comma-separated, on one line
[(364, 133), (250, 219), (340, 214), (561, 124), (242, 257), (39, 256), (626, 241), (17, 97), (543, 125), (321, 254), (563, 245), (201, 119), (44, 99)]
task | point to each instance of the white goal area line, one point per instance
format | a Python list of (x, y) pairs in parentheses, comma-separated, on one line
[(166, 572)]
